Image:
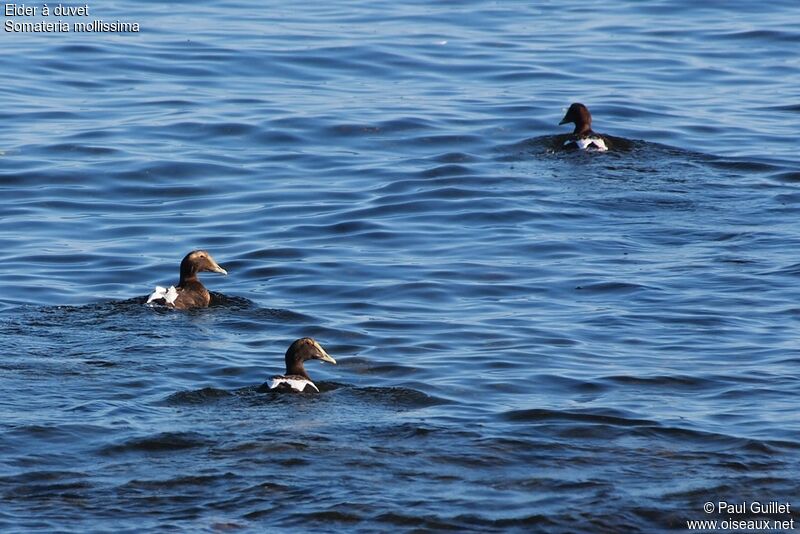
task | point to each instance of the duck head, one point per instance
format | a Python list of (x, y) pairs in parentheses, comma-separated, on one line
[(303, 350), (198, 261), (580, 116)]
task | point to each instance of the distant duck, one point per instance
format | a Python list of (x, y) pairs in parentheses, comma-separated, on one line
[(582, 138), (189, 293), (296, 379)]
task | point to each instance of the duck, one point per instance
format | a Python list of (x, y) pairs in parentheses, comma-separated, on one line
[(583, 137), (296, 379), (190, 292)]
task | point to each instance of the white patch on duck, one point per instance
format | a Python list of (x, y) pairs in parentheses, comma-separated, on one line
[(168, 295), (595, 144), (296, 383)]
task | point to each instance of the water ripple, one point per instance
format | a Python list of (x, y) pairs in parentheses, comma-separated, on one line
[(527, 339)]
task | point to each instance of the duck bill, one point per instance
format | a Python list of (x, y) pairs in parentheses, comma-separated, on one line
[(215, 268), (563, 121), (322, 355)]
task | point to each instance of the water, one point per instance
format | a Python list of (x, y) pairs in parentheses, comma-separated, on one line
[(527, 340)]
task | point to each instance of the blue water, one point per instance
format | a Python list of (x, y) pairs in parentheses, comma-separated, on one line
[(527, 340)]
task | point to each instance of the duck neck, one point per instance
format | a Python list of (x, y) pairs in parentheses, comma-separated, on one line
[(297, 368), (188, 275), (583, 128), (187, 280)]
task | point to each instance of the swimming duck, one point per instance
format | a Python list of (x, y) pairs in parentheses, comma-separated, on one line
[(189, 293), (296, 378), (582, 138)]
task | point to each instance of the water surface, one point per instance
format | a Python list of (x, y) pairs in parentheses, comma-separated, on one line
[(527, 340)]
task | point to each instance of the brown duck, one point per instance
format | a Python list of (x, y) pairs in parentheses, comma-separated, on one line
[(296, 378), (190, 292), (583, 137)]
